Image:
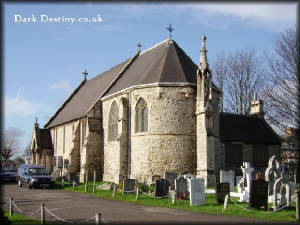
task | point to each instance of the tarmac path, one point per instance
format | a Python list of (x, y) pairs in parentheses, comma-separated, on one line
[(76, 207)]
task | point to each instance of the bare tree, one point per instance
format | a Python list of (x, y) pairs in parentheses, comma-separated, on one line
[(27, 152), (281, 93), (11, 143), (238, 75)]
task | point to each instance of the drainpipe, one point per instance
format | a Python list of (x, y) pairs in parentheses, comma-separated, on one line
[(129, 136)]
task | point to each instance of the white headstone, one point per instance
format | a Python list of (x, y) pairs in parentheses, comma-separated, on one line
[(188, 176), (197, 191), (247, 169), (228, 177), (237, 179)]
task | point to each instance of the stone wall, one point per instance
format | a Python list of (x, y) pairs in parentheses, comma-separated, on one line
[(168, 145)]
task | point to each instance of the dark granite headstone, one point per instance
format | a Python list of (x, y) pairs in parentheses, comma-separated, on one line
[(222, 189), (170, 177), (162, 188), (128, 185), (258, 194), (180, 187)]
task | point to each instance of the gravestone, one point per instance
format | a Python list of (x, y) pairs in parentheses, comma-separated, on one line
[(237, 179), (161, 188), (227, 177), (155, 178), (128, 185), (170, 177), (197, 191), (282, 186), (180, 186), (222, 189), (247, 169), (188, 176), (272, 173), (258, 194)]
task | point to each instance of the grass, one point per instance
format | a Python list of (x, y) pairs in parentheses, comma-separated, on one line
[(210, 207), (20, 219)]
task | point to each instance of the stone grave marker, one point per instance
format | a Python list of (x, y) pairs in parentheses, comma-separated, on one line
[(227, 177), (222, 189), (128, 186), (247, 169), (189, 176), (253, 175), (197, 191), (180, 186), (258, 194), (161, 188), (170, 177), (272, 173), (237, 179), (282, 186)]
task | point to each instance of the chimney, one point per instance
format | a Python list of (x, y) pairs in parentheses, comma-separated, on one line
[(257, 108)]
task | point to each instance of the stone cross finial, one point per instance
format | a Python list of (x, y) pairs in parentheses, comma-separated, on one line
[(139, 45), (170, 29), (85, 73)]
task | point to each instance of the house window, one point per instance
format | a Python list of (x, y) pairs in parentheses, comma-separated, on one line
[(260, 155), (113, 122), (233, 155), (141, 116)]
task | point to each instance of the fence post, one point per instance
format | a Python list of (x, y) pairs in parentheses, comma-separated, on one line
[(86, 181), (173, 198), (11, 207), (297, 205), (98, 218), (62, 182), (137, 193), (114, 190), (42, 213), (94, 182)]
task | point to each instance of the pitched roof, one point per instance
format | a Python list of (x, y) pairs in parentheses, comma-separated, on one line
[(77, 105), (164, 62), (246, 128)]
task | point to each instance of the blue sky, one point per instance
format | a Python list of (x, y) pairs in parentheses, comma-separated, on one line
[(43, 61)]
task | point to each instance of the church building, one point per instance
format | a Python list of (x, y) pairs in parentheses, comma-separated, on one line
[(153, 113)]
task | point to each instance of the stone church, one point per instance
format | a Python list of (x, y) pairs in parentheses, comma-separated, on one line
[(155, 112)]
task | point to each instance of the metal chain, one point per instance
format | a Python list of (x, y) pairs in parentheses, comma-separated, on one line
[(19, 210), (57, 217), (262, 211)]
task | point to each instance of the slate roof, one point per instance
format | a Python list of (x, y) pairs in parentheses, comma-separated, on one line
[(246, 128), (164, 62)]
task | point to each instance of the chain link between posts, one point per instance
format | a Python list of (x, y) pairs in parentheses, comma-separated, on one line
[(251, 210)]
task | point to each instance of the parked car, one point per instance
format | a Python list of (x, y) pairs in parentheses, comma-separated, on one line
[(34, 176), (8, 174)]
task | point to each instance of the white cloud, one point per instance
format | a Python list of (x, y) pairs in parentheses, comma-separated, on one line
[(65, 85), (275, 16), (18, 105)]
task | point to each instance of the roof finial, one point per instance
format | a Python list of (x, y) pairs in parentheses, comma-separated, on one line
[(85, 73), (36, 119), (170, 29), (139, 45), (203, 57)]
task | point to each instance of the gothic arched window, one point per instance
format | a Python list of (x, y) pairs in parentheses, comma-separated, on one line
[(141, 116), (113, 122)]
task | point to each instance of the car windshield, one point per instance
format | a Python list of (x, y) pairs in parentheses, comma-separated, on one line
[(8, 169), (37, 171)]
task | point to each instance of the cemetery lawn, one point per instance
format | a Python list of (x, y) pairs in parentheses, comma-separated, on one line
[(210, 207), (20, 219)]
